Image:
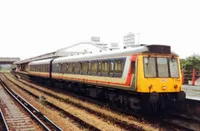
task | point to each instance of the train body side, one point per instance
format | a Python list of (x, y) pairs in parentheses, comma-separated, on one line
[(147, 74), (132, 75), (124, 70), (40, 68), (119, 78)]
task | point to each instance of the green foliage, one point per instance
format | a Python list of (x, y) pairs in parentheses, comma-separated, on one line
[(191, 62)]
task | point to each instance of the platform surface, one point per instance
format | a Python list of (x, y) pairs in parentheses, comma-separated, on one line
[(192, 92)]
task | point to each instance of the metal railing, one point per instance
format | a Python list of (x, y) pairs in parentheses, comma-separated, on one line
[(190, 75)]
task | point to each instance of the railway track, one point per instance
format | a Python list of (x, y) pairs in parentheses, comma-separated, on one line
[(181, 121), (84, 124), (3, 124), (126, 123), (169, 121), (40, 118)]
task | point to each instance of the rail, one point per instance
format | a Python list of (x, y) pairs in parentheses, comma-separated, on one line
[(38, 116), (4, 122)]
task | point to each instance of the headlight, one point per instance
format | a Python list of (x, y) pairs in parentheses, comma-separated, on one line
[(164, 87), (175, 86)]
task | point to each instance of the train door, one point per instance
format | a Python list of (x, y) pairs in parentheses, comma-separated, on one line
[(50, 68), (133, 71)]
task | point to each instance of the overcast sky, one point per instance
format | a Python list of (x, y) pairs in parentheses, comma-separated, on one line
[(33, 27)]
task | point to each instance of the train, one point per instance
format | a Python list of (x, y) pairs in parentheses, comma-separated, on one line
[(139, 77)]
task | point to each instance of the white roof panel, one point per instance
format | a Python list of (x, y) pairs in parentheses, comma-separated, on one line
[(102, 55), (46, 61)]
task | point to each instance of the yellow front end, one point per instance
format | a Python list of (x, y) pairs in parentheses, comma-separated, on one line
[(171, 81)]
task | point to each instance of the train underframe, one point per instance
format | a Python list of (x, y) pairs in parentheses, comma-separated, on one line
[(128, 100)]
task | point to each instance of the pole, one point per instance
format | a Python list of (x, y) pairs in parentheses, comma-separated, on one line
[(183, 77), (193, 77)]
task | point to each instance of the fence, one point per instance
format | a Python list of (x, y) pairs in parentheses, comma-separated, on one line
[(190, 75)]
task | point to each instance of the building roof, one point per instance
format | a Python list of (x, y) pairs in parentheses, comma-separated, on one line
[(79, 48)]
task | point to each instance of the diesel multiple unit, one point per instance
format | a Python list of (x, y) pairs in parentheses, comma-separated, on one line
[(142, 75)]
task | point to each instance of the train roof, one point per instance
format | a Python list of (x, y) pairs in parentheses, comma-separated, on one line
[(46, 61), (163, 49)]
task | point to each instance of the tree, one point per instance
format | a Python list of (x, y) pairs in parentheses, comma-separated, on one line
[(191, 62)]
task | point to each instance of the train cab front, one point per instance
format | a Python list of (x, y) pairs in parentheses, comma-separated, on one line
[(159, 78)]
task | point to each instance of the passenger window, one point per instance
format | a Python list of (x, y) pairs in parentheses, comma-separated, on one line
[(53, 67), (67, 66), (104, 66), (42, 68), (99, 67), (111, 65), (46, 66), (57, 68), (64, 68), (89, 67), (84, 67), (77, 67), (118, 66), (73, 67), (70, 68), (94, 67)]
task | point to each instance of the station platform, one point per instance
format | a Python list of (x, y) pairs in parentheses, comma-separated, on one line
[(192, 92)]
